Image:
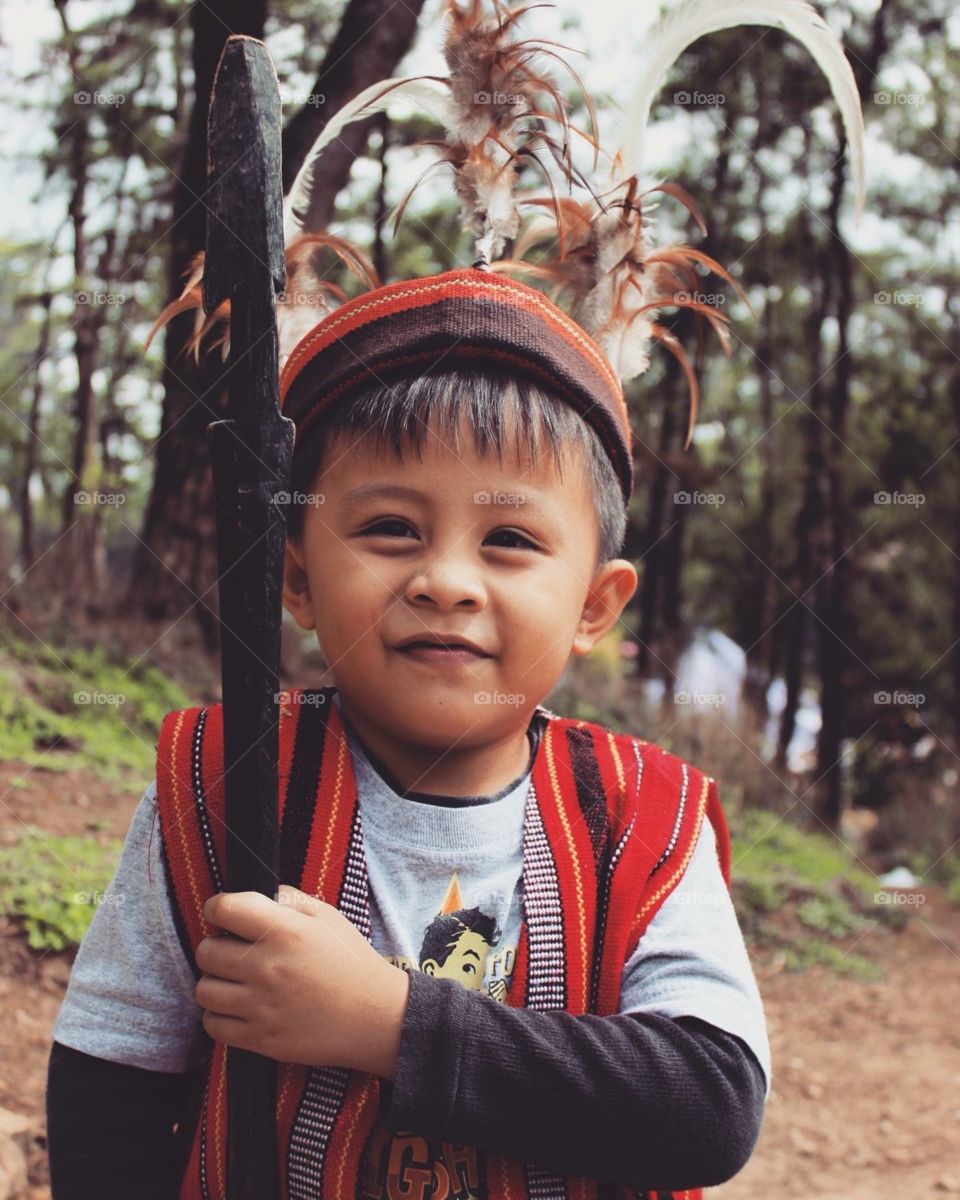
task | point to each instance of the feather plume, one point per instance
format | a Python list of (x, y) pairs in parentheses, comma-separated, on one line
[(694, 18), (496, 107), (306, 298), (427, 92), (605, 260), (616, 282)]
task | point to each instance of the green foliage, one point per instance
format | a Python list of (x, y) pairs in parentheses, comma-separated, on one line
[(828, 914), (65, 708), (951, 873), (54, 884), (789, 884), (765, 847), (842, 963)]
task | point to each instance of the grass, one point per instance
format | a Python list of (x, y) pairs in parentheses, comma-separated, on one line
[(799, 893), (66, 709), (54, 885)]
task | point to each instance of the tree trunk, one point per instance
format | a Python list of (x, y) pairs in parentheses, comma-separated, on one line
[(175, 567), (658, 512), (80, 549), (955, 649), (809, 521), (373, 37), (28, 549), (835, 624), (833, 627)]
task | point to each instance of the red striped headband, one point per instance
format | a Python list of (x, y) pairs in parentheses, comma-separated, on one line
[(472, 317)]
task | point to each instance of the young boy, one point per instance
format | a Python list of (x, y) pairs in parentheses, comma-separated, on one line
[(504, 961)]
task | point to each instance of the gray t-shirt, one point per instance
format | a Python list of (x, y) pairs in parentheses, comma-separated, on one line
[(130, 998)]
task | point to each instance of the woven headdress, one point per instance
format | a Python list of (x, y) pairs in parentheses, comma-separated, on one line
[(499, 110)]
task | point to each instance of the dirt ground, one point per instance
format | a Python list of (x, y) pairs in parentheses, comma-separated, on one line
[(866, 1093)]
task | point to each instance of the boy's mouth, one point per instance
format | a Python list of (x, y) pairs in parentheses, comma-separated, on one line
[(434, 651), (428, 652)]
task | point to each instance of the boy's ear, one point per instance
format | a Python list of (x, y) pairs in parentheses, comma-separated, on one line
[(296, 589), (609, 594)]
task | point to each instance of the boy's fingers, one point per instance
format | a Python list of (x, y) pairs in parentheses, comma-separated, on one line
[(222, 957), (247, 914), (291, 897)]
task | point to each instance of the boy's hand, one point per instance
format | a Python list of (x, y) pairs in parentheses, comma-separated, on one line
[(298, 983)]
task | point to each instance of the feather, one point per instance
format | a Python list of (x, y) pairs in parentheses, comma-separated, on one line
[(664, 44), (423, 91), (615, 280), (496, 108), (307, 297)]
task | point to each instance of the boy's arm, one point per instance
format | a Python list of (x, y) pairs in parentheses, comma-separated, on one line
[(130, 997), (668, 1093), (639, 1099), (127, 1038), (110, 1128)]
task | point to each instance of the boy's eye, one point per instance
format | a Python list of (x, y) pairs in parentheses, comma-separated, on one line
[(383, 526), (513, 533), (394, 526)]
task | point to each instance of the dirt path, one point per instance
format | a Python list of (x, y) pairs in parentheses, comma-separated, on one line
[(866, 1094), (865, 1102)]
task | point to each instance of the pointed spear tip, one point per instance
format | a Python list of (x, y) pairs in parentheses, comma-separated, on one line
[(244, 198)]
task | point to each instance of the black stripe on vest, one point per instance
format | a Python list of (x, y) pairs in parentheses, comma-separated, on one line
[(589, 788), (302, 791)]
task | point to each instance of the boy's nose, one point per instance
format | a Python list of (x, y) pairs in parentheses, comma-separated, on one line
[(448, 581)]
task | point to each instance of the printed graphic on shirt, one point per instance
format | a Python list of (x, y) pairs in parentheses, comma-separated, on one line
[(458, 943)]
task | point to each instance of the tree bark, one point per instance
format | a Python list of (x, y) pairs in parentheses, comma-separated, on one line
[(28, 549), (835, 625)]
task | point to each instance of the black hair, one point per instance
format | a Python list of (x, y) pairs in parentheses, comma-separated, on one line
[(445, 930), (400, 416)]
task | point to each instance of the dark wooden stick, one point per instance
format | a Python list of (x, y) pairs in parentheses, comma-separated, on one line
[(251, 453)]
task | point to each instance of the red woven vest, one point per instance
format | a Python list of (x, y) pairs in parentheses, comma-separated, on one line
[(618, 822)]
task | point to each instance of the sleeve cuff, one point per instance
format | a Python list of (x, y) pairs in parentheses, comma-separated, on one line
[(423, 1093)]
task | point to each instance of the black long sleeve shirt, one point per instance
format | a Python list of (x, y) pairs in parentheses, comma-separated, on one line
[(655, 1102)]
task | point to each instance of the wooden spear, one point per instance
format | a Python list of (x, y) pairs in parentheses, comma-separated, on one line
[(251, 453)]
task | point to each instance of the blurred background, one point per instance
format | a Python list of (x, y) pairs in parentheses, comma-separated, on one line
[(796, 631)]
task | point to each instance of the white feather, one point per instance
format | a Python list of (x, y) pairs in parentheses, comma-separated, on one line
[(423, 91), (664, 44)]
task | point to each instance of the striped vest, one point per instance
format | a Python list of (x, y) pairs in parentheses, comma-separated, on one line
[(615, 823)]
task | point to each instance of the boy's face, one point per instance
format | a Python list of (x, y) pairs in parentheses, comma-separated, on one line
[(499, 554)]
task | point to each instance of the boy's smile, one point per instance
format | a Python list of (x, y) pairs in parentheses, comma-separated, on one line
[(451, 547)]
